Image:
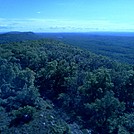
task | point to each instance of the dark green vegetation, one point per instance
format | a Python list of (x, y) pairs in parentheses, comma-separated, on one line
[(17, 36), (118, 46), (47, 87)]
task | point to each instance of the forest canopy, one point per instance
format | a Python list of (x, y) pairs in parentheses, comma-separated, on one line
[(47, 86)]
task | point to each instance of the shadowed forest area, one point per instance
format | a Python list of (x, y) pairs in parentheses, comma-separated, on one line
[(66, 84)]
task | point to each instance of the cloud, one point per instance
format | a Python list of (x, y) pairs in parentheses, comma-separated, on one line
[(3, 27), (38, 12), (62, 25)]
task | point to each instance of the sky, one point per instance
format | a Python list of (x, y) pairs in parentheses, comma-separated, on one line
[(67, 15)]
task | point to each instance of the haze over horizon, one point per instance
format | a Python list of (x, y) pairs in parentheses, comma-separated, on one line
[(66, 15)]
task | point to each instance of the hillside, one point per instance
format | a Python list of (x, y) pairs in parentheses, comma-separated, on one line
[(117, 46), (49, 87), (17, 36)]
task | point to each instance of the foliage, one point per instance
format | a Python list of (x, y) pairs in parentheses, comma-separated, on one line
[(114, 45), (47, 86)]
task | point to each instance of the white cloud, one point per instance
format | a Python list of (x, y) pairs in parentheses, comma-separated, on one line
[(58, 25), (38, 12)]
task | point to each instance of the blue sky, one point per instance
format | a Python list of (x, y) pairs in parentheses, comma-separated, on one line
[(66, 15)]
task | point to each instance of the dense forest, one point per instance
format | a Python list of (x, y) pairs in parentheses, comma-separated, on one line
[(50, 87), (119, 46)]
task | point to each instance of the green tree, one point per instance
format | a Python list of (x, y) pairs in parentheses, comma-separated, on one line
[(103, 111)]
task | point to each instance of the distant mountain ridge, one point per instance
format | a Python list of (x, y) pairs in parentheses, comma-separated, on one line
[(16, 36), (18, 32), (117, 46)]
